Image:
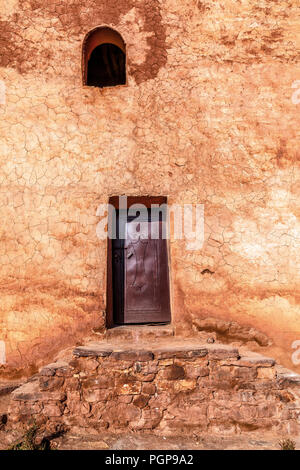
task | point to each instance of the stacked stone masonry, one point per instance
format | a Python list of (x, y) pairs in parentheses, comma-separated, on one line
[(209, 115), (180, 388)]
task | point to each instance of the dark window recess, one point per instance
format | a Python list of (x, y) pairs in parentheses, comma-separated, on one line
[(106, 66)]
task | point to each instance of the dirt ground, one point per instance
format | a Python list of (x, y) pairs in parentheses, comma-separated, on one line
[(77, 440), (148, 441), (151, 442)]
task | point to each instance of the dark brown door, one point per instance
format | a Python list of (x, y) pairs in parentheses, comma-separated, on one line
[(140, 271)]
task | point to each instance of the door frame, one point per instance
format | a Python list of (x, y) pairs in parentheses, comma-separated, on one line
[(147, 201)]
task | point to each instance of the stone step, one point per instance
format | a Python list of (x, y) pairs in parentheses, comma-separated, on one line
[(139, 332), (162, 385), (158, 349), (8, 387)]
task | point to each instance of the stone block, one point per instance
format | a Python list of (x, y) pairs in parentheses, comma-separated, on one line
[(72, 383), (145, 377), (131, 388), (93, 382), (7, 388), (285, 396), (222, 352), (97, 409), (50, 383), (59, 368), (180, 352), (55, 395), (126, 398), (185, 385), (32, 408), (287, 377), (161, 400), (173, 372), (93, 350), (185, 419), (90, 364), (195, 371), (120, 414), (151, 417), (73, 395), (267, 410), (53, 409), (141, 401), (133, 355), (28, 392), (255, 361), (92, 396), (148, 388), (110, 363), (266, 373), (244, 373), (197, 396), (165, 362)]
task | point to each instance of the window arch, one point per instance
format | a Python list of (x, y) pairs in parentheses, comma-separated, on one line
[(104, 58)]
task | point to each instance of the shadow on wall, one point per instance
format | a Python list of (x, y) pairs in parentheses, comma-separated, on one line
[(227, 331)]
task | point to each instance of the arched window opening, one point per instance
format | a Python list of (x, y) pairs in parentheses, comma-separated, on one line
[(104, 56), (106, 66)]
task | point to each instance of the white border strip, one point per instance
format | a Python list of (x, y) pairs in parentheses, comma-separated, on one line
[(2, 353)]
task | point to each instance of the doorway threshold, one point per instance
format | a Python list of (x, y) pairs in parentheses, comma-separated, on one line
[(143, 332)]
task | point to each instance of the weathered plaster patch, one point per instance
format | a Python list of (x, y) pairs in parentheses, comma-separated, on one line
[(136, 39), (8, 8)]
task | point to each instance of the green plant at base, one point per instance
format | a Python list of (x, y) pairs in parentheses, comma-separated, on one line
[(287, 444), (27, 442)]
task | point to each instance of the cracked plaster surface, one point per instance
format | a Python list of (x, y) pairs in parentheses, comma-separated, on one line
[(207, 117)]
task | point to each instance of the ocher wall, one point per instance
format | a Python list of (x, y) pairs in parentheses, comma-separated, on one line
[(207, 117)]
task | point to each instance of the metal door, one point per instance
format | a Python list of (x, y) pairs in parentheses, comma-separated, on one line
[(140, 271)]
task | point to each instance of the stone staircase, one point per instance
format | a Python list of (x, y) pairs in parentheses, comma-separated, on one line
[(6, 388), (164, 385)]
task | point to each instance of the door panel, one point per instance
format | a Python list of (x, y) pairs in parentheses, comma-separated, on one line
[(141, 281)]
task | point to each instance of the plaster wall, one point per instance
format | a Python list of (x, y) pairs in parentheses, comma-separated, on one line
[(210, 115)]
